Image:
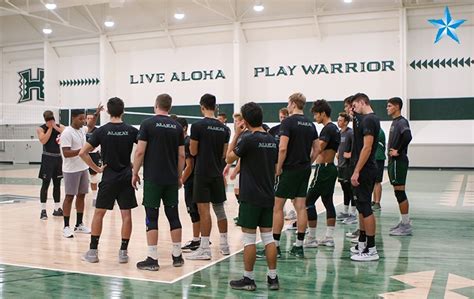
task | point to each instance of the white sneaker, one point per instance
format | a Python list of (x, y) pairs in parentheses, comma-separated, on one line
[(327, 241), (355, 240), (224, 249), (68, 232), (200, 254), (310, 243), (396, 226), (358, 248), (291, 215), (350, 220), (369, 254), (82, 229)]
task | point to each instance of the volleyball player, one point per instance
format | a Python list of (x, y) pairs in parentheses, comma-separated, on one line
[(76, 177), (398, 141), (161, 151), (51, 163), (209, 140), (325, 176), (116, 140), (257, 153), (363, 178)]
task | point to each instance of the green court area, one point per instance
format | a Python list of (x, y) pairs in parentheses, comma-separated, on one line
[(436, 262)]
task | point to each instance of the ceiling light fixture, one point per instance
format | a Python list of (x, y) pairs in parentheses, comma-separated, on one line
[(258, 7), (47, 29), (347, 1), (50, 5), (179, 15), (109, 22)]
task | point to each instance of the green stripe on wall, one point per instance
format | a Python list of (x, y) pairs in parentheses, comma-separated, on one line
[(442, 109)]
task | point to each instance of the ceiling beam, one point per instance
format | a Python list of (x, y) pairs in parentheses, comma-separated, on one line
[(94, 22), (207, 6)]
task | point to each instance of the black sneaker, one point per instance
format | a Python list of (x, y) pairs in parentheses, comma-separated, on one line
[(148, 264), (43, 215), (245, 283), (177, 260), (261, 253), (273, 284), (191, 245), (58, 212)]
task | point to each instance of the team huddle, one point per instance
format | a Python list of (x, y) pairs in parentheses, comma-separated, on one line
[(272, 165)]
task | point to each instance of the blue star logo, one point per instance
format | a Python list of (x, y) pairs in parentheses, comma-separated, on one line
[(447, 26)]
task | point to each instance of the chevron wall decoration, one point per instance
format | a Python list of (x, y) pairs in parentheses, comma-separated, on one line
[(442, 63), (79, 82)]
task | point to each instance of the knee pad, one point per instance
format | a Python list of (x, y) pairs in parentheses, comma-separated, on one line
[(400, 195), (95, 178), (267, 238), (173, 217), (329, 205), (219, 211), (194, 217), (151, 219), (364, 208), (248, 239), (311, 211)]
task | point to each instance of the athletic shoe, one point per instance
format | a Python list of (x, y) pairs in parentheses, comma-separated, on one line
[(82, 229), (148, 264), (68, 232), (43, 215), (368, 254), (402, 230), (261, 253), (245, 284), (396, 226), (358, 248), (91, 256), (200, 254), (273, 284), (58, 212), (297, 251), (352, 219), (177, 260), (310, 243), (191, 245), (355, 240), (123, 256), (327, 241), (291, 215), (376, 206), (341, 216), (354, 234), (224, 249)]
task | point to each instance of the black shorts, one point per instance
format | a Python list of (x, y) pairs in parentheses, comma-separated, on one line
[(380, 167), (208, 189), (363, 192), (51, 167), (120, 190), (97, 160), (188, 198)]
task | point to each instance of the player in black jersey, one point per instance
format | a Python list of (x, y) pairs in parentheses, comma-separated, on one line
[(161, 151), (398, 141), (325, 176), (257, 152), (51, 163), (366, 130), (209, 139), (116, 140)]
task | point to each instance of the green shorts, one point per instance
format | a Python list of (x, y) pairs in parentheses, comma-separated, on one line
[(153, 194), (292, 183), (397, 171), (251, 216), (323, 182)]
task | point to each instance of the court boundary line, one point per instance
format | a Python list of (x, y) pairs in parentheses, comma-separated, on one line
[(146, 279)]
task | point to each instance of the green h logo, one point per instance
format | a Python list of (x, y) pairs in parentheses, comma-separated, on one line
[(28, 84)]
